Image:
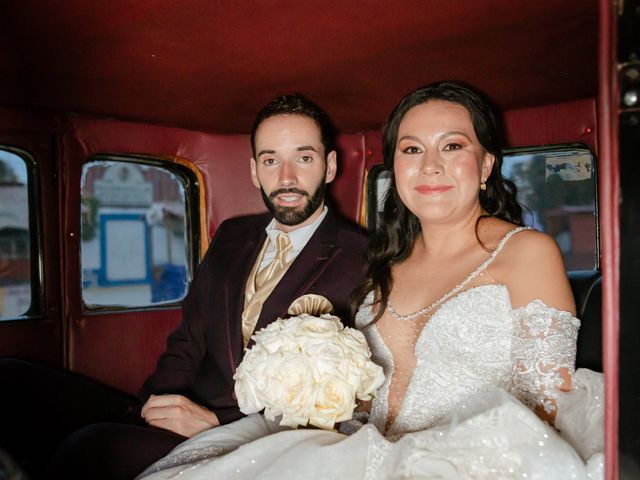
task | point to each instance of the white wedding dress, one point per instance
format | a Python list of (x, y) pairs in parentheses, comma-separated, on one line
[(462, 412)]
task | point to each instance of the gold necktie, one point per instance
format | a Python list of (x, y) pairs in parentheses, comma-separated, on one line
[(279, 262)]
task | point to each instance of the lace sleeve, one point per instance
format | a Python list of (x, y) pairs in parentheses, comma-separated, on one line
[(543, 351)]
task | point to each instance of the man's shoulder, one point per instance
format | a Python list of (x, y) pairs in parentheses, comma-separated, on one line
[(235, 231), (349, 232)]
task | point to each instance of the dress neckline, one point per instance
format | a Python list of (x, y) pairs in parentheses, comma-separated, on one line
[(423, 311)]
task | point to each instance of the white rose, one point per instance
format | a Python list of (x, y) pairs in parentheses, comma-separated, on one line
[(371, 379), (325, 326), (250, 378), (334, 403), (355, 341), (326, 356), (289, 388), (279, 336)]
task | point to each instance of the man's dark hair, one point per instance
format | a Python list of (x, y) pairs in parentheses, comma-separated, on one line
[(296, 104)]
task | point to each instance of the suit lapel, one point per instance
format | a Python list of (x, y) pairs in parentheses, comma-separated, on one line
[(310, 263), (246, 256)]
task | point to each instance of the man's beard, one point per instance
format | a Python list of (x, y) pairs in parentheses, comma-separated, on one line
[(294, 215)]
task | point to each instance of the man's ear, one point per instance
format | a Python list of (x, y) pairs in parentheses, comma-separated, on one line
[(254, 173), (332, 166)]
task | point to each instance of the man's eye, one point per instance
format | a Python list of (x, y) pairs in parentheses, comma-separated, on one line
[(412, 149), (452, 146), (269, 161), (306, 159)]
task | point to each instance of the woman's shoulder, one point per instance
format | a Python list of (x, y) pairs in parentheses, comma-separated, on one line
[(529, 244), (517, 245), (530, 264)]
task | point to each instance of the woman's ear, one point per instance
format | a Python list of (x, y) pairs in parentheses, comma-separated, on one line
[(487, 165)]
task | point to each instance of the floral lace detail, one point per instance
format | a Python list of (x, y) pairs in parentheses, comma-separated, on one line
[(475, 342), (544, 345), (464, 349)]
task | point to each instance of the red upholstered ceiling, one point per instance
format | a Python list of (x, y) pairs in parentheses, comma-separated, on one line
[(210, 65)]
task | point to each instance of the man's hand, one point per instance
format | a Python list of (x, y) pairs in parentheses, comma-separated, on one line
[(178, 414)]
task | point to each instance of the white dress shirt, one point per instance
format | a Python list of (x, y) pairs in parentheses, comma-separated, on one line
[(299, 238)]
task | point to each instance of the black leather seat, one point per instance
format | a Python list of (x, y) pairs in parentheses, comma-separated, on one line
[(587, 290)]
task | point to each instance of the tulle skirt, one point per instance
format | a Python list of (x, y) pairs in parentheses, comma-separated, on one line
[(492, 436)]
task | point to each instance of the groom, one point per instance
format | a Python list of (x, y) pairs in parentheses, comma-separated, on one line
[(293, 160), (258, 268)]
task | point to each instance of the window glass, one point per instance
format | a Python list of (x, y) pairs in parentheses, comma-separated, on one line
[(557, 188), (135, 241), (15, 242), (378, 182)]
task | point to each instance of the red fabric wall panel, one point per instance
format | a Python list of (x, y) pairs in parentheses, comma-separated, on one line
[(373, 145), (347, 188), (566, 122)]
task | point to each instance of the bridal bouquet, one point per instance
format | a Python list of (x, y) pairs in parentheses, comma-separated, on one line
[(308, 370)]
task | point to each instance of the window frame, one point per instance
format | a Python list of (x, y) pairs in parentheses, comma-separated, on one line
[(371, 196), (38, 306), (533, 149), (191, 188)]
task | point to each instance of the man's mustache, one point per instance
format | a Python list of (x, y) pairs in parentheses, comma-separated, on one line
[(281, 191)]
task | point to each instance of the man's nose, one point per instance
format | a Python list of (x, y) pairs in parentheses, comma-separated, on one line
[(287, 174)]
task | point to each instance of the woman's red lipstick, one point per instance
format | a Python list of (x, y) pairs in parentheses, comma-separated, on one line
[(432, 189)]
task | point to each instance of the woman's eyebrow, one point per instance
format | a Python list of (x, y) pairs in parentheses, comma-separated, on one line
[(444, 135)]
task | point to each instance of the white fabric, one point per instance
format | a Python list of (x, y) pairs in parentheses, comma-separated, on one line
[(465, 425), (452, 417), (299, 239)]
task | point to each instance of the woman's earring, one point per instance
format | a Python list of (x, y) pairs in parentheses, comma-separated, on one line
[(483, 185)]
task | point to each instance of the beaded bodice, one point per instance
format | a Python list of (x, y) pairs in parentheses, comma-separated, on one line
[(474, 341)]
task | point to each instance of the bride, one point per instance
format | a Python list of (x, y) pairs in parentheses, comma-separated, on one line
[(469, 313)]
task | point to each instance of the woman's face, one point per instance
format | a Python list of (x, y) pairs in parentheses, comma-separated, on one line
[(439, 163)]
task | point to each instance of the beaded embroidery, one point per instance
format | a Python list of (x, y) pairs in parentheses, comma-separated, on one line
[(460, 286)]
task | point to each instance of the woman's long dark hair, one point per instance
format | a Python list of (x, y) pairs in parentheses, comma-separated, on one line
[(394, 240)]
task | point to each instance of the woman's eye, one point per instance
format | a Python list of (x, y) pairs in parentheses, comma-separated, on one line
[(411, 149), (452, 146)]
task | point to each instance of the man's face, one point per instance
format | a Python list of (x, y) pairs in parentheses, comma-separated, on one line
[(291, 170)]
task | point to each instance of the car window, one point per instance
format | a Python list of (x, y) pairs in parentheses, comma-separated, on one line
[(135, 229), (15, 236)]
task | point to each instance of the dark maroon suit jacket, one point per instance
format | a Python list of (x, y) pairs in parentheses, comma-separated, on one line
[(203, 353)]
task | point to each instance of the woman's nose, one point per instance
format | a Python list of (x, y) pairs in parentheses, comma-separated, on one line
[(431, 163)]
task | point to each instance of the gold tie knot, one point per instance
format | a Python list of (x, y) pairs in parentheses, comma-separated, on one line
[(278, 265), (283, 247)]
